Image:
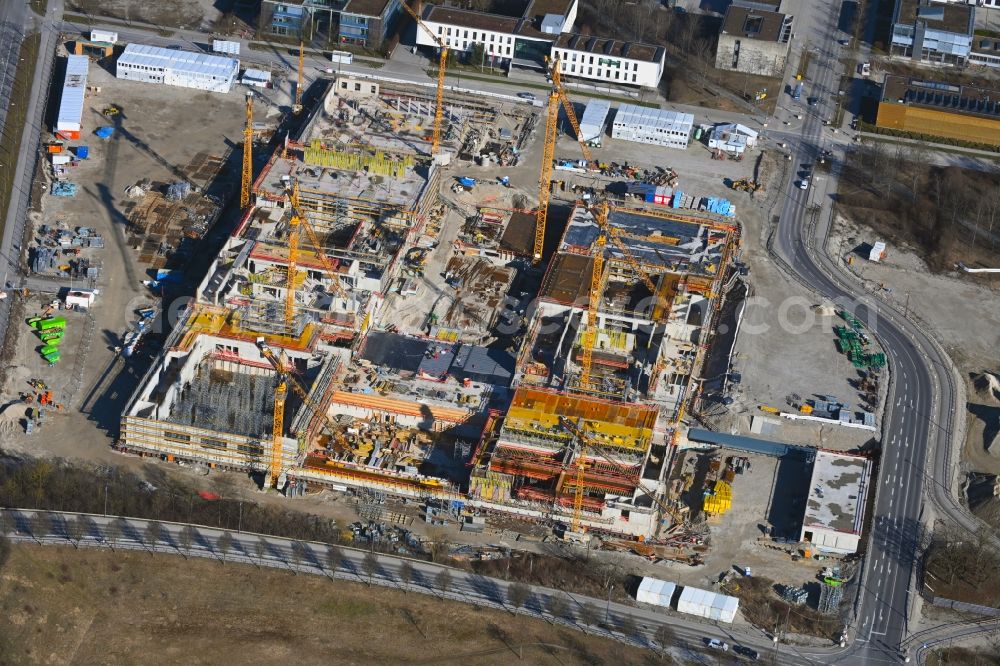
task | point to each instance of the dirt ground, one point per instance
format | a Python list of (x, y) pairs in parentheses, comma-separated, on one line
[(67, 606), (953, 305), (784, 346), (189, 14), (145, 145)]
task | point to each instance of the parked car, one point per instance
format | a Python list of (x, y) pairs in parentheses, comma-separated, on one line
[(716, 644), (526, 95), (812, 101), (743, 651), (803, 184)]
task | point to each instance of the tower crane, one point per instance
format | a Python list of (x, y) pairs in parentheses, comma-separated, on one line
[(589, 338), (285, 379), (588, 443), (247, 182), (293, 255), (439, 100), (314, 239), (297, 107), (557, 96)]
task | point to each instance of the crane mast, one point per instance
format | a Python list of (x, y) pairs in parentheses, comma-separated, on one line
[(247, 180), (439, 96)]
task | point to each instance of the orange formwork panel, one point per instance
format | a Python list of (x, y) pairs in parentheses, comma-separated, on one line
[(379, 403)]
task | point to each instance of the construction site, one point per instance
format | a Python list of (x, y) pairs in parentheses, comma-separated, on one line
[(380, 322)]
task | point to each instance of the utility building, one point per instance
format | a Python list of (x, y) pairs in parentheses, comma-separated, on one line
[(152, 64), (653, 126), (835, 509)]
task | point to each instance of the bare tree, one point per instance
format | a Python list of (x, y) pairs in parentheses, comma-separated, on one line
[(665, 636), (41, 525), (370, 565), (185, 538), (154, 530), (627, 626), (406, 575), (77, 528), (223, 544), (557, 606), (517, 595), (113, 532), (588, 614), (260, 547), (334, 558), (443, 581)]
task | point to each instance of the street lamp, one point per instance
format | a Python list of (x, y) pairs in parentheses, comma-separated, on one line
[(607, 609)]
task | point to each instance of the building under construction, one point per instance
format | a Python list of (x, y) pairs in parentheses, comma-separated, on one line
[(287, 364), (639, 289)]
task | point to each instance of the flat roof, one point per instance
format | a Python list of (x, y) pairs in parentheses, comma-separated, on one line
[(753, 23), (70, 116), (470, 19), (943, 96), (366, 7), (200, 64), (951, 17), (642, 116), (987, 45), (610, 47), (837, 491)]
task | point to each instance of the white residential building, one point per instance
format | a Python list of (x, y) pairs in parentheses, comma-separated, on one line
[(152, 64), (653, 126)]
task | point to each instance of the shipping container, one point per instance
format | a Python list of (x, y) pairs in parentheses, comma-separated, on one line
[(342, 57), (69, 120), (51, 324), (82, 152), (61, 159), (104, 36)]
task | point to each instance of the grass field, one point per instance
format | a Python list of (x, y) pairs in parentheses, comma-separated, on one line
[(10, 142), (94, 606)]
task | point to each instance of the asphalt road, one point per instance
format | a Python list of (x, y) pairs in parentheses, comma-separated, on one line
[(918, 417)]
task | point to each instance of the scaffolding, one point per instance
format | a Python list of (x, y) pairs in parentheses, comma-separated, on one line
[(357, 158), (227, 398)]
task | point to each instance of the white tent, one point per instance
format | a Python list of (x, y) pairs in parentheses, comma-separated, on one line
[(707, 604), (655, 591)]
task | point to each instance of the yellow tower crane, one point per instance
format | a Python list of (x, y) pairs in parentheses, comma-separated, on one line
[(589, 339), (297, 107), (587, 443), (285, 379), (557, 96), (278, 433), (247, 155), (293, 255), (442, 58), (314, 239)]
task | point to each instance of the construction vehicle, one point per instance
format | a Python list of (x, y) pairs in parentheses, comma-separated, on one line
[(297, 106), (439, 98), (556, 96), (111, 111), (745, 185), (247, 180)]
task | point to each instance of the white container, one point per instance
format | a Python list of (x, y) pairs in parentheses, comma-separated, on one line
[(104, 36), (61, 159)]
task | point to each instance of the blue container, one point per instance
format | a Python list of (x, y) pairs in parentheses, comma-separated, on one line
[(82, 152)]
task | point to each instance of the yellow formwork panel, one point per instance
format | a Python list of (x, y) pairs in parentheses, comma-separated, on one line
[(721, 500)]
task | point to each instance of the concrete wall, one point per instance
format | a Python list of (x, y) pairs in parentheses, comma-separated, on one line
[(831, 541), (936, 122), (755, 56)]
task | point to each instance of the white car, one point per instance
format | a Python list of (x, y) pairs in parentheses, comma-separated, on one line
[(803, 184), (716, 644)]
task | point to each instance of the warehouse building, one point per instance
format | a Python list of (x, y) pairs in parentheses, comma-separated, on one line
[(835, 508), (69, 120), (966, 113), (653, 126), (754, 40), (152, 64), (935, 32)]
